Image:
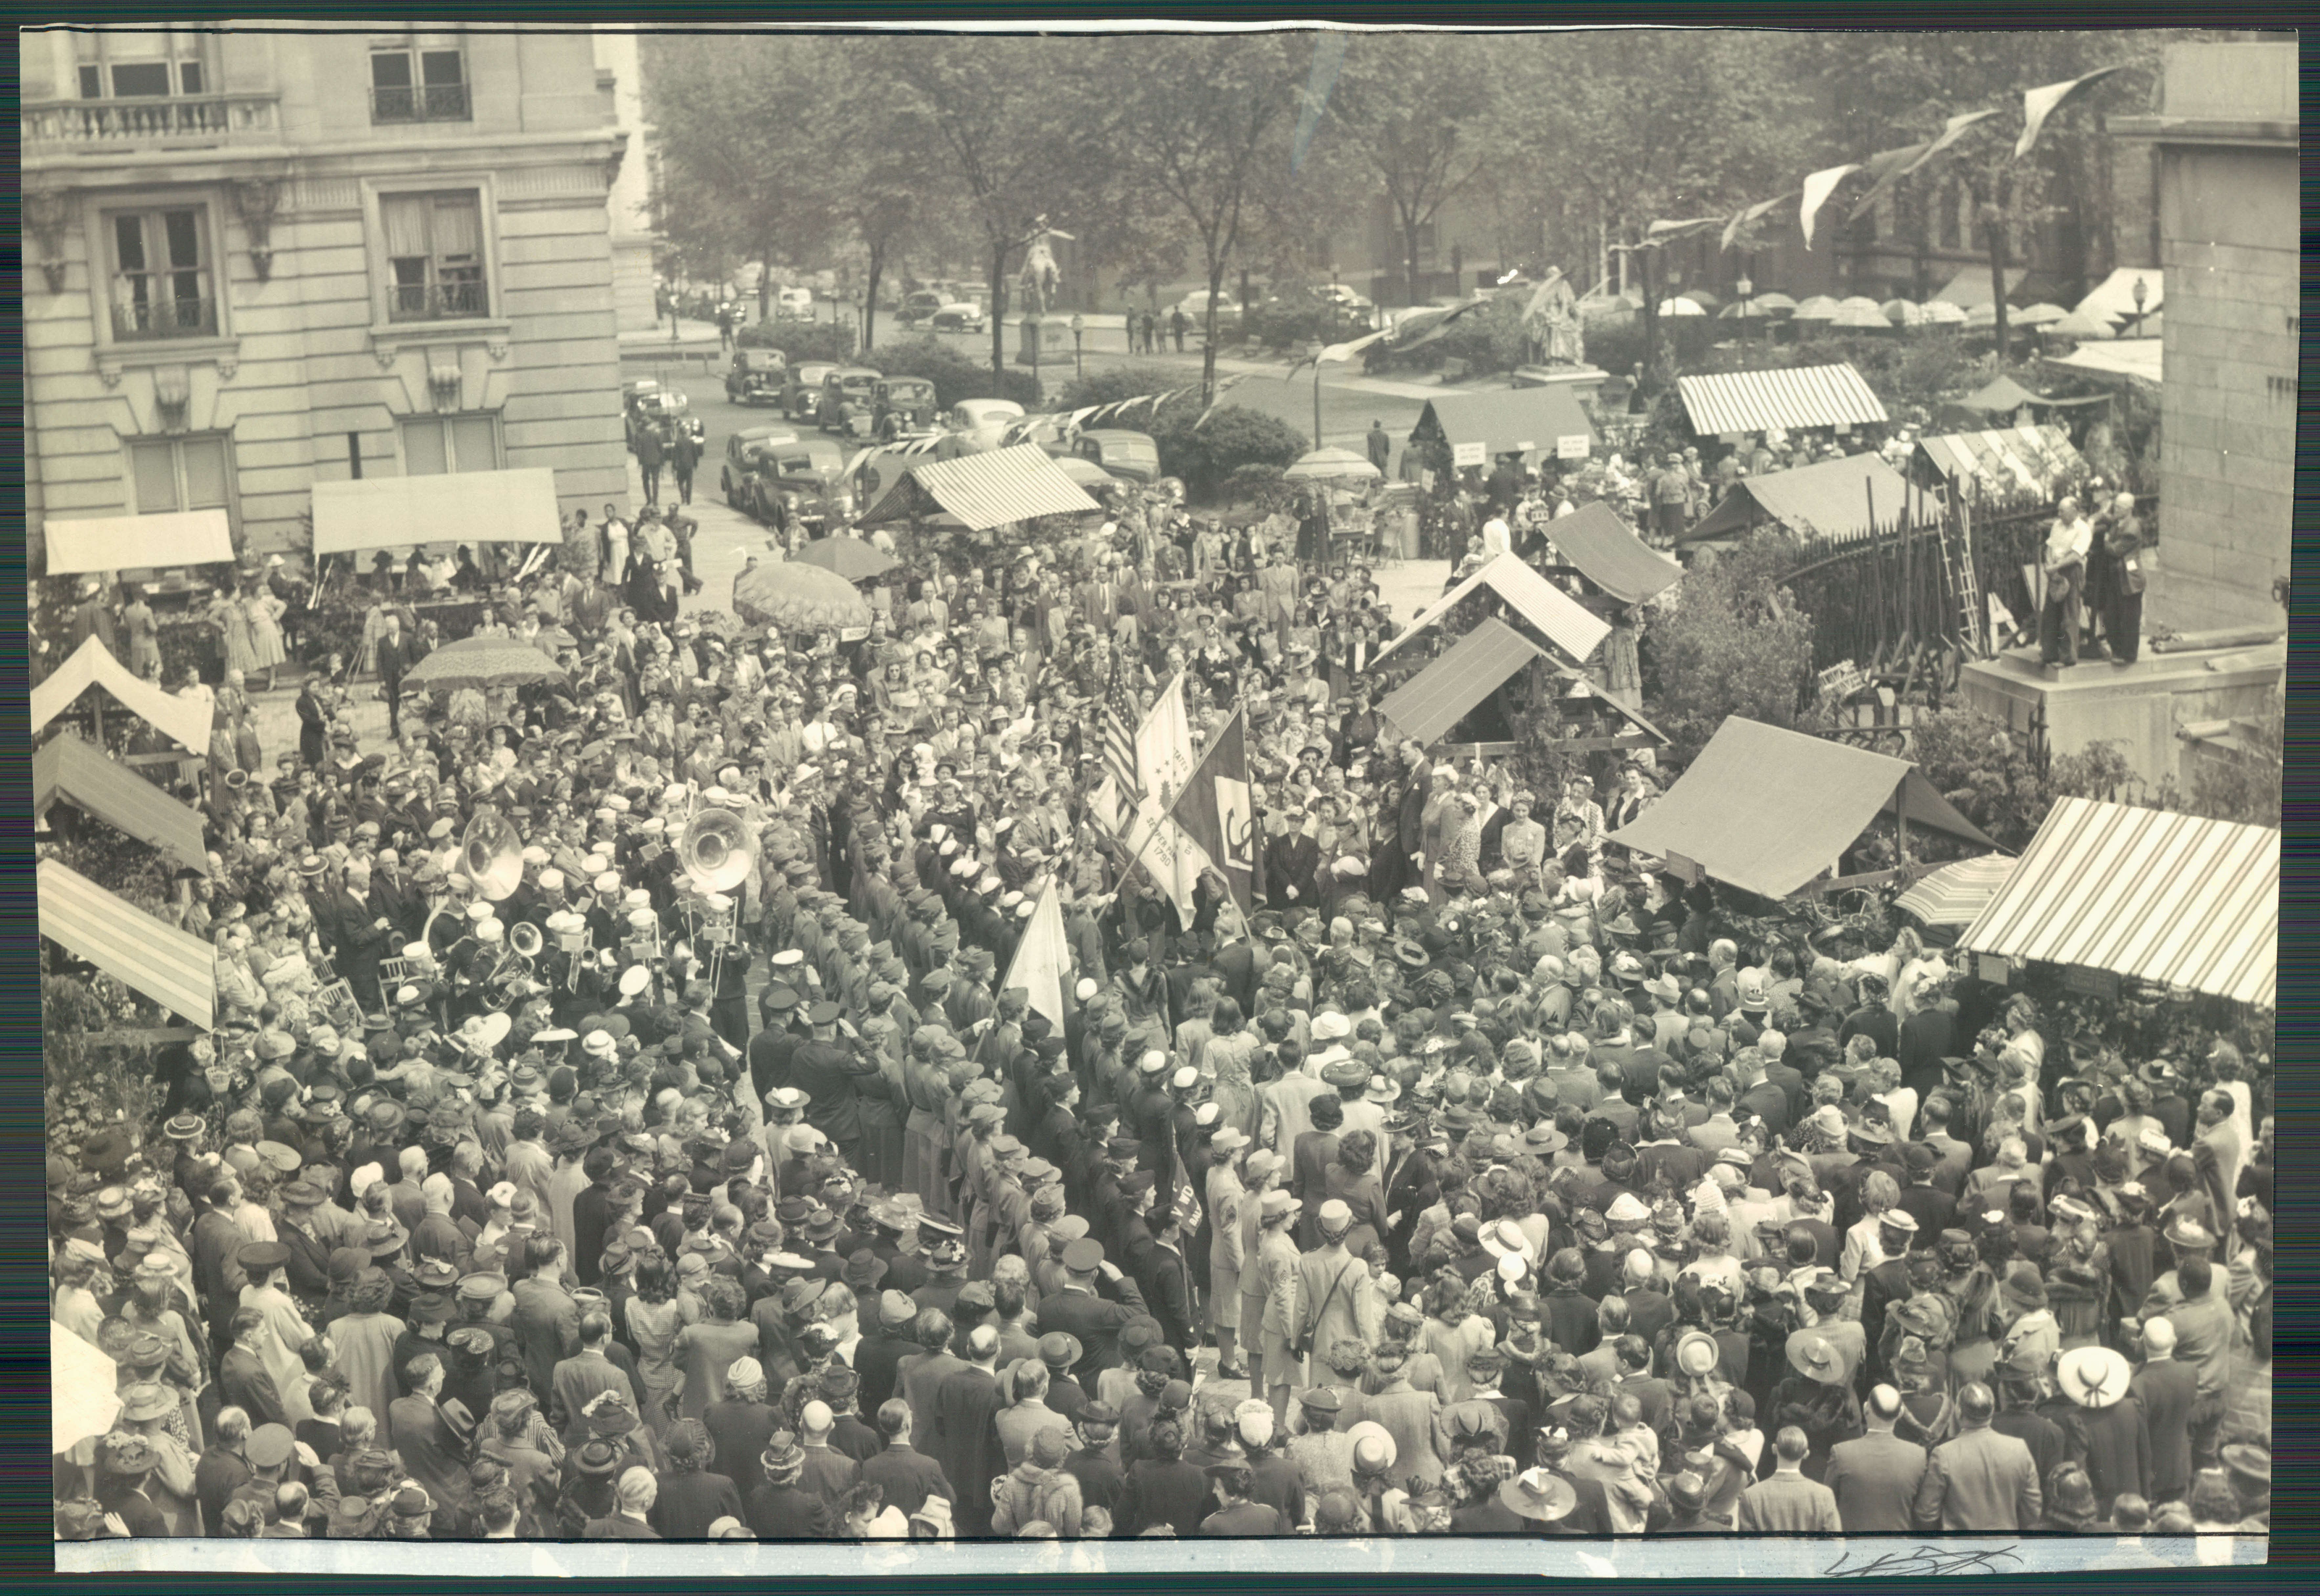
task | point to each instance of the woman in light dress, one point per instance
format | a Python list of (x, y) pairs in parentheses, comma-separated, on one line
[(264, 612)]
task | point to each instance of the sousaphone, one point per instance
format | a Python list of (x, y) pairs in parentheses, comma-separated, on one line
[(492, 853), (716, 850)]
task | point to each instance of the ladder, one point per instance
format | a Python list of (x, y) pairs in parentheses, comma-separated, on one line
[(1965, 588)]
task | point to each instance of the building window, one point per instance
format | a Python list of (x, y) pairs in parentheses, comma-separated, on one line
[(434, 256), (140, 64), (438, 445), (161, 284), (172, 473), (1945, 215), (414, 85)]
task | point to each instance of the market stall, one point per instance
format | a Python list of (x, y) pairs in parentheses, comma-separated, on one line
[(1018, 482), (1838, 501), (185, 721), (66, 770), (1728, 404), (2116, 891), (2039, 460), (1567, 627), (1536, 423), (173, 969), (1594, 543), (1772, 811)]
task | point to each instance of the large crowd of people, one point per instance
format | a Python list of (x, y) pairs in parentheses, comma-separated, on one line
[(546, 1176)]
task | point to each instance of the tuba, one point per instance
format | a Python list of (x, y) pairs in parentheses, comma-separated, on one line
[(493, 856), (716, 850), (525, 938)]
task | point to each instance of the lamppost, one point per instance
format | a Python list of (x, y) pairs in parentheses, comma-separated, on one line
[(2142, 292), (1314, 355), (1031, 325), (861, 325), (1079, 363), (1743, 287)]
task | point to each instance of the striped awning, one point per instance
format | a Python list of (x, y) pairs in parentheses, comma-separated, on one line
[(187, 721), (2031, 459), (1955, 893), (984, 491), (1759, 401), (159, 542), (173, 968), (1575, 631), (464, 507), (2144, 893), (68, 770), (1468, 671)]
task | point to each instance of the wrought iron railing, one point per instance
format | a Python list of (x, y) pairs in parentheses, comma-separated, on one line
[(427, 102), (164, 318), (441, 301)]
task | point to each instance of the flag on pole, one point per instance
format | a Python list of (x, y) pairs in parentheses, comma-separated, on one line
[(1164, 761), (2039, 104), (1118, 756), (1817, 190), (1215, 813), (1043, 960)]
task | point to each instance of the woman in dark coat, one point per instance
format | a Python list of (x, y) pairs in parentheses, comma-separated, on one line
[(1352, 1178)]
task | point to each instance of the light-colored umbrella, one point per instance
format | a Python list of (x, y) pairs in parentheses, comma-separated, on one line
[(484, 662), (1681, 307), (1743, 310), (1901, 313), (2078, 324), (1774, 302), (82, 1383), (1868, 319), (799, 597), (1820, 307), (1858, 302), (1941, 313), (1700, 297), (2039, 315), (848, 557), (1332, 465), (1956, 894)]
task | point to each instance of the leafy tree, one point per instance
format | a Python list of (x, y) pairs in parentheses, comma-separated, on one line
[(1205, 123), (799, 342), (1232, 439), (1736, 645), (1411, 112), (955, 375)]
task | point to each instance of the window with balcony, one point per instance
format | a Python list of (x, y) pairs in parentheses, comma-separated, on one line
[(161, 278), (195, 472), (441, 445), (435, 256), (133, 64), (413, 84)]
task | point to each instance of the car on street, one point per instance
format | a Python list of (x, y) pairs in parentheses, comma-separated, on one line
[(900, 404), (757, 375), (1195, 307), (960, 316), (804, 390), (662, 411), (979, 422), (743, 450), (802, 481), (1133, 456), (793, 304), (848, 398), (921, 304)]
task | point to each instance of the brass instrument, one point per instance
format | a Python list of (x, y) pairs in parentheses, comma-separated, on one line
[(492, 853), (716, 850), (525, 938), (514, 970)]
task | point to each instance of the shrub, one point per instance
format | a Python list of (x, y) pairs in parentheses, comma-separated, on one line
[(955, 374), (1116, 383), (1235, 438), (1733, 647), (1251, 484), (1988, 771), (799, 342)]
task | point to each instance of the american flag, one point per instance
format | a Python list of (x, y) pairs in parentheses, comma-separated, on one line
[(1120, 718)]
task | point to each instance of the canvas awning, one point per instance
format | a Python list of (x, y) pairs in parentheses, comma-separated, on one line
[(139, 542), (2113, 299), (2003, 396), (67, 769), (1836, 500), (1970, 287), (2134, 359), (185, 721), (2144, 893), (983, 491), (1468, 671), (1762, 400), (463, 507), (1768, 809), (2037, 460), (1601, 547), (1509, 421), (173, 968), (1562, 620), (1955, 893)]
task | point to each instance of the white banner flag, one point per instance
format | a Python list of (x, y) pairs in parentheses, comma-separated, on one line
[(1043, 959)]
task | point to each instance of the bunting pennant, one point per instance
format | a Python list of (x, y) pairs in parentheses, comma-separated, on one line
[(1216, 815), (1214, 403), (1042, 964), (1956, 127), (1663, 232), (2039, 104), (1749, 213), (1817, 190), (1885, 168)]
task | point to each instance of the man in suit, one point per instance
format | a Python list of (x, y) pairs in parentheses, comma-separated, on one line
[(581, 1379), (546, 1319), (358, 928), (243, 1380), (1876, 1476), (632, 1502), (903, 1475), (393, 657), (1091, 1321), (964, 1439), (1980, 1482), (1099, 598)]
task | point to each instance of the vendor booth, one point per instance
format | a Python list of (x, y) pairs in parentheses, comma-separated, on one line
[(980, 492), (173, 968), (1594, 544), (66, 770), (1731, 403), (1573, 630), (2034, 460), (1536, 422), (1839, 501)]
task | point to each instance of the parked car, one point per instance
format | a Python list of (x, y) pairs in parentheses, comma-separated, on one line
[(847, 396), (663, 410), (977, 424), (804, 390), (793, 304), (742, 450), (1130, 455), (1195, 307), (960, 316), (921, 304), (900, 404), (801, 481), (757, 374)]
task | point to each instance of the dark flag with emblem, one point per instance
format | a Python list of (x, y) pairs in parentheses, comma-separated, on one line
[(1217, 815)]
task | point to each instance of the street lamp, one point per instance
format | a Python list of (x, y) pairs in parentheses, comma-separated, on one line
[(2142, 292), (1314, 355), (1743, 287), (1079, 364), (1032, 324)]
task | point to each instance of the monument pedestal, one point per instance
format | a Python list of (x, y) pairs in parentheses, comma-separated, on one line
[(2138, 706), (1583, 381), (1050, 336)]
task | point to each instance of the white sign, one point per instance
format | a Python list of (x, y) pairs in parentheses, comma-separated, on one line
[(1844, 429), (1525, 446), (1573, 447), (1468, 454)]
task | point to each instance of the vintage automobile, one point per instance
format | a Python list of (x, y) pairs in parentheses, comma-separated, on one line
[(846, 401), (742, 452), (757, 374), (900, 404), (793, 304), (662, 411), (1129, 455), (960, 316), (802, 392), (919, 304), (800, 481)]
